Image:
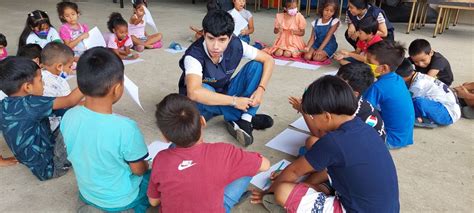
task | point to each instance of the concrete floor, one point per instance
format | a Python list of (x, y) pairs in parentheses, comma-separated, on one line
[(435, 174)]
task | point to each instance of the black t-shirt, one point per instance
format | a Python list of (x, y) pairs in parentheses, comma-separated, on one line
[(372, 117), (439, 62)]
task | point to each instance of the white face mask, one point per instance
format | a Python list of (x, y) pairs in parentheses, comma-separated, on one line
[(292, 12)]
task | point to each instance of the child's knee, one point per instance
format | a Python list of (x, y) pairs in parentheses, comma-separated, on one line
[(287, 54), (282, 192), (278, 52), (308, 56)]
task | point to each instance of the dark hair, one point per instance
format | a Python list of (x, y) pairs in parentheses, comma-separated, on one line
[(386, 52), (34, 19), (3, 40), (218, 23), (369, 25), (55, 52), (329, 94), (418, 46), (213, 5), (178, 119), (137, 3), (98, 69), (406, 68), (115, 19), (61, 6), (359, 4), (30, 51), (326, 4), (358, 75), (14, 72)]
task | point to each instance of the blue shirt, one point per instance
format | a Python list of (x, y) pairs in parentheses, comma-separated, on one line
[(390, 95), (360, 166), (25, 126), (100, 146)]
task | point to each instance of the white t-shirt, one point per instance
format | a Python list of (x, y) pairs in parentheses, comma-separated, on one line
[(54, 86), (428, 87), (53, 35), (320, 22), (192, 65)]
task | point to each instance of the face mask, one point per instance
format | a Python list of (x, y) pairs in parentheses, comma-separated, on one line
[(42, 34), (293, 12)]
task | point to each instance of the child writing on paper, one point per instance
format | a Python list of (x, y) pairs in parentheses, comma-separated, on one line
[(290, 28), (322, 43), (118, 39), (348, 152), (239, 9), (197, 176), (38, 30), (72, 32), (24, 118), (107, 151), (137, 31)]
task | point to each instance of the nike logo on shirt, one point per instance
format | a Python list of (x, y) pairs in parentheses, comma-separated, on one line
[(185, 164)]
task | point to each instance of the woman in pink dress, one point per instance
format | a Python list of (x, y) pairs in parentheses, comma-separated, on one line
[(290, 28)]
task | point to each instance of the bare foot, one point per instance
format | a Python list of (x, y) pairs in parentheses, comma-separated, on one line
[(8, 161)]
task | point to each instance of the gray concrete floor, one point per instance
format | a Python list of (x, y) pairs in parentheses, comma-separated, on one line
[(435, 174)]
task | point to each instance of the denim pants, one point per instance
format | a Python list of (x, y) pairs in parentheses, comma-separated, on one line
[(243, 84), (234, 191), (432, 110)]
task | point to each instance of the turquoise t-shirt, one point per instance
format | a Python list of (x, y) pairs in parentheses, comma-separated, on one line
[(100, 146)]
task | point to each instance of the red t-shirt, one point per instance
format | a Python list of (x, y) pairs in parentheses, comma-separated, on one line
[(193, 179), (363, 46)]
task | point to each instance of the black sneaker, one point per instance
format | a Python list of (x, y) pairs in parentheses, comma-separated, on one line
[(262, 121), (241, 130)]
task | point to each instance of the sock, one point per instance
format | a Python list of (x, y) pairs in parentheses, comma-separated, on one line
[(246, 117)]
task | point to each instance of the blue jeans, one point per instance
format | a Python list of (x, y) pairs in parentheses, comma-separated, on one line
[(245, 38), (234, 191), (243, 84), (432, 110)]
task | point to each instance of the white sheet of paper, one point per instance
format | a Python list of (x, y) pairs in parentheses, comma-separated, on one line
[(149, 19), (175, 51), (280, 62), (300, 124), (302, 65), (261, 179), (95, 39), (127, 62), (2, 95), (155, 147), (333, 73), (132, 90), (289, 141), (239, 21)]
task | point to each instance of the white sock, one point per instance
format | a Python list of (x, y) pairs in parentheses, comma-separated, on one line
[(246, 117)]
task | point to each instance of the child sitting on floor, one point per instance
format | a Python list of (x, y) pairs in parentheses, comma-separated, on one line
[(31, 51), (137, 31), (350, 152), (197, 176), (72, 32), (322, 43), (107, 151), (3, 47), (24, 118), (367, 37), (390, 95), (429, 62), (290, 28), (38, 30), (239, 9), (118, 39), (57, 60), (433, 100), (465, 93)]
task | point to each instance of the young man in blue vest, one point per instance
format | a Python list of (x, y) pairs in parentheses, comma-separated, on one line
[(208, 65)]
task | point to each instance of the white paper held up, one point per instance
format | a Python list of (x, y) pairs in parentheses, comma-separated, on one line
[(289, 141), (155, 147), (95, 39), (132, 90), (239, 21), (133, 61), (302, 65), (300, 124), (261, 180), (149, 19)]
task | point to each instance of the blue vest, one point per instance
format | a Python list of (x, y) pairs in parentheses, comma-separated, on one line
[(373, 11), (215, 75)]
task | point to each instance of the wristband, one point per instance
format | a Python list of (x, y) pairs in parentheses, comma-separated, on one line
[(234, 101), (261, 86)]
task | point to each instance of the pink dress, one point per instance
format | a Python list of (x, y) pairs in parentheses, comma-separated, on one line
[(285, 40)]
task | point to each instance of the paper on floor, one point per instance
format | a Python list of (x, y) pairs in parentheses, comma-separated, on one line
[(155, 147), (289, 141), (133, 61), (333, 73), (280, 62), (300, 124), (302, 65), (132, 90), (261, 179), (175, 51)]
